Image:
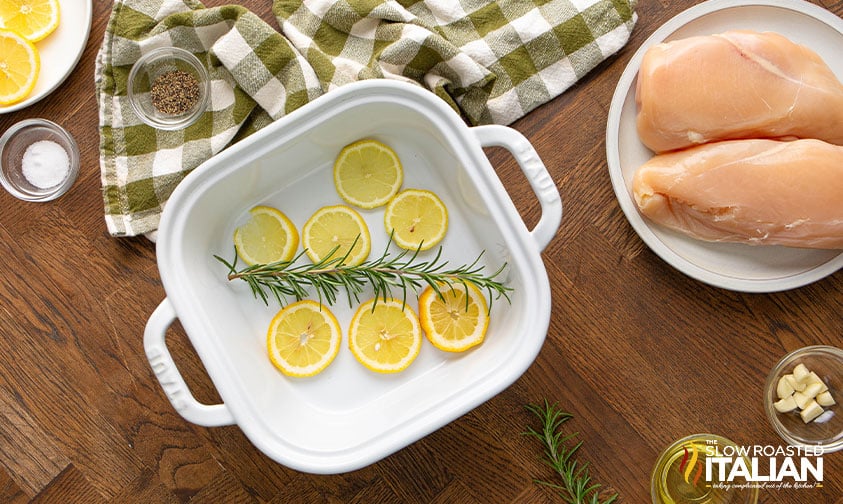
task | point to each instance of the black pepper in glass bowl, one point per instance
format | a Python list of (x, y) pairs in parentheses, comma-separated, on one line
[(168, 88)]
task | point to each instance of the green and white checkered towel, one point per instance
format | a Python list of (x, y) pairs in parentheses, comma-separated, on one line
[(492, 61)]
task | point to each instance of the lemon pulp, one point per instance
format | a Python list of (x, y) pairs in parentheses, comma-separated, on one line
[(268, 236), (385, 335), (32, 19), (457, 320), (416, 219), (336, 231), (303, 338), (367, 173), (20, 64)]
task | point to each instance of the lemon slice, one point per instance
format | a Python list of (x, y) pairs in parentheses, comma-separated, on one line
[(417, 219), (386, 339), (456, 321), (367, 174), (268, 236), (19, 67), (335, 229), (303, 338), (32, 19)]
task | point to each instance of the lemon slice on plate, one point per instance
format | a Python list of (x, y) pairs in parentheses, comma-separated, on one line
[(32, 19), (385, 339), (338, 229), (457, 320), (417, 219), (367, 173), (268, 236), (19, 67), (303, 338)]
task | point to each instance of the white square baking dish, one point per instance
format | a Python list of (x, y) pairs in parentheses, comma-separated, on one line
[(347, 417)]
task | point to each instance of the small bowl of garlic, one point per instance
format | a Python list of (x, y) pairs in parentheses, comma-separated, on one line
[(803, 398)]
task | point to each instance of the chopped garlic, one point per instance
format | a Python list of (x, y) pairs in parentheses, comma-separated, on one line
[(813, 389), (784, 388), (797, 385), (802, 400), (811, 411), (814, 378), (825, 399), (800, 372), (805, 391), (785, 405)]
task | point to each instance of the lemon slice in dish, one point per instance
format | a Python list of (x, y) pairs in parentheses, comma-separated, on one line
[(19, 67), (336, 231), (268, 236), (303, 338), (32, 19), (367, 174), (416, 219), (385, 336), (457, 320)]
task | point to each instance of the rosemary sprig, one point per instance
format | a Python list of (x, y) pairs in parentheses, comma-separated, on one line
[(385, 274), (576, 487)]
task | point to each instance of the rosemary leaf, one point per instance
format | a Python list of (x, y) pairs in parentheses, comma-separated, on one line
[(387, 275), (576, 486)]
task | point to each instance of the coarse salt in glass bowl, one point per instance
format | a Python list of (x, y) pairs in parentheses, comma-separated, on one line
[(39, 160), (826, 431), (168, 88)]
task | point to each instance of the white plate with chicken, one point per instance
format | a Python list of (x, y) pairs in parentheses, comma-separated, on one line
[(764, 80)]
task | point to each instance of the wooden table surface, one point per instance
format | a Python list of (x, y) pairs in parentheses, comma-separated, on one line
[(639, 353)]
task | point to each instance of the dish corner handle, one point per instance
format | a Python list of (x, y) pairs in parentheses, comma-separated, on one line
[(541, 182), (168, 375)]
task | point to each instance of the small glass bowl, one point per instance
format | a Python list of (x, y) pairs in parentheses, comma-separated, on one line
[(155, 64), (673, 482), (827, 362), (13, 147)]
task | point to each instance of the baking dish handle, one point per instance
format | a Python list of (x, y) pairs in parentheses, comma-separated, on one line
[(168, 375), (525, 155)]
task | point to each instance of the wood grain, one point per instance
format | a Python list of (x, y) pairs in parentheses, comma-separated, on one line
[(638, 352)]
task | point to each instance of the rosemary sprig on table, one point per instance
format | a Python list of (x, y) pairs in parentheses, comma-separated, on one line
[(385, 274), (576, 487)]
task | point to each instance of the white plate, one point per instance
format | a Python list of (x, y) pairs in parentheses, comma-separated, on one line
[(60, 51), (731, 266)]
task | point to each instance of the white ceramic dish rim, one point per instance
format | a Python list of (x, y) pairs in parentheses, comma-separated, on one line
[(60, 51), (524, 249), (680, 251)]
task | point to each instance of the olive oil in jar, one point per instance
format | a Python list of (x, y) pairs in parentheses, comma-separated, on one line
[(680, 477)]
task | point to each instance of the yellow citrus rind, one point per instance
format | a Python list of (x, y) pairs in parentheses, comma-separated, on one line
[(32, 19), (451, 322), (416, 218), (334, 231), (20, 65), (267, 236), (303, 338), (385, 336), (367, 174)]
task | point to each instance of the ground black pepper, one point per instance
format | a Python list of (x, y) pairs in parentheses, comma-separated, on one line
[(174, 92)]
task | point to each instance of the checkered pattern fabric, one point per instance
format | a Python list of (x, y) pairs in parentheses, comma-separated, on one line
[(492, 60)]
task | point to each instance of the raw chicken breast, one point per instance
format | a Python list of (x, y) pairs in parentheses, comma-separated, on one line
[(738, 84), (759, 192)]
